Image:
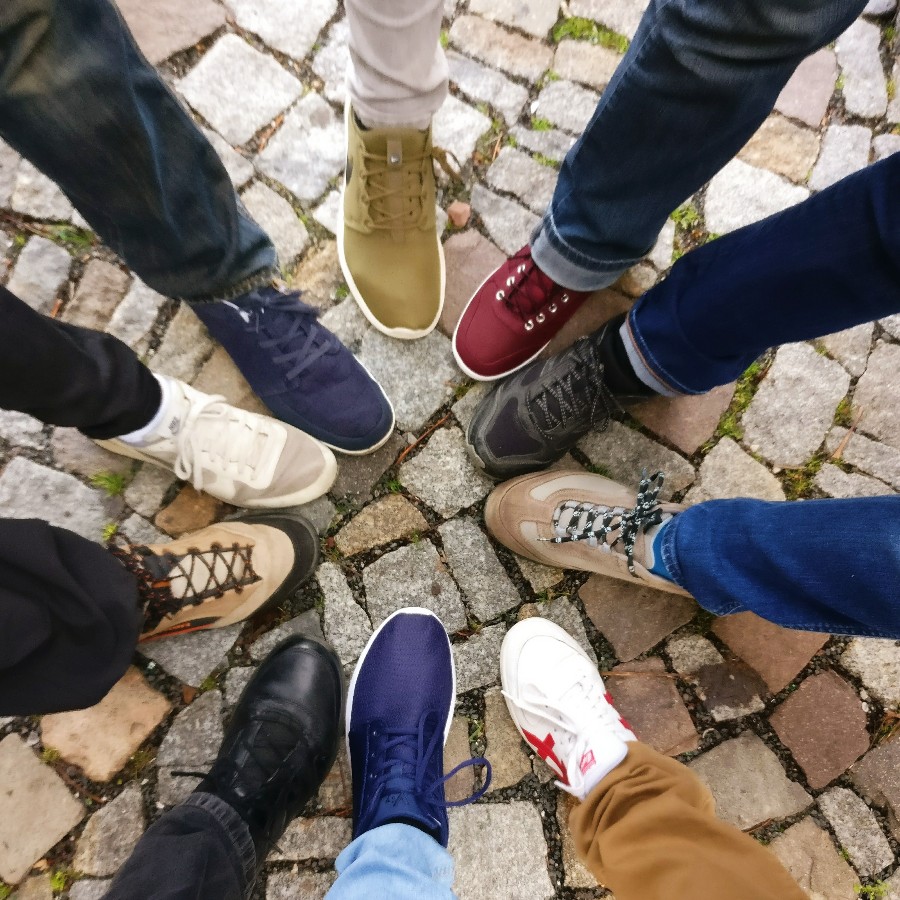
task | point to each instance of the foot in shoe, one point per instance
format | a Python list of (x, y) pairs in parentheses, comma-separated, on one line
[(300, 370), (399, 710), (513, 315), (575, 520), (537, 415), (220, 575), (240, 457), (388, 225), (557, 700), (282, 740)]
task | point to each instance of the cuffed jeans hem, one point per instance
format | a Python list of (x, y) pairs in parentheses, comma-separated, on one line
[(235, 830), (568, 267), (250, 283), (639, 364)]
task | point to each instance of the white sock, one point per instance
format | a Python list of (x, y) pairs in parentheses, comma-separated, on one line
[(154, 426)]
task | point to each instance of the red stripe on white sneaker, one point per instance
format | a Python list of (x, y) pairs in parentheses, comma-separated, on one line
[(587, 762), (544, 749)]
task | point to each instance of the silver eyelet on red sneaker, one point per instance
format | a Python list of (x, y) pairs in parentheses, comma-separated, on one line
[(510, 281), (565, 298), (529, 325), (500, 295), (520, 269), (540, 318), (553, 307)]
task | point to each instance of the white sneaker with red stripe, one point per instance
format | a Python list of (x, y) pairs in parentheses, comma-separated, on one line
[(558, 702)]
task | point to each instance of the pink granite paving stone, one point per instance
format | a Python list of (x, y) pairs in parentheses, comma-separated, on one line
[(164, 27), (806, 95), (469, 259), (824, 726), (777, 653)]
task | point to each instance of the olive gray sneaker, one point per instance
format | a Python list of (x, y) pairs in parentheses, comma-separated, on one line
[(534, 417)]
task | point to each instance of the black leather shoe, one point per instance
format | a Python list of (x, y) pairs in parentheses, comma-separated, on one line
[(282, 740)]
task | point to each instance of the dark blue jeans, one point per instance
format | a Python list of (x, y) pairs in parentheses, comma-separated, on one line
[(699, 78), (826, 264), (816, 565), (78, 99)]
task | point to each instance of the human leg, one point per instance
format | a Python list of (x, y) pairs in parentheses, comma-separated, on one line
[(646, 827), (280, 744)]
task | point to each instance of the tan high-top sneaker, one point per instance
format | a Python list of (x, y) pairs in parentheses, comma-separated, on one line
[(220, 575), (575, 520), (388, 244)]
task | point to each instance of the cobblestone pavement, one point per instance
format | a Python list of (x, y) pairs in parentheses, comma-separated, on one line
[(790, 730)]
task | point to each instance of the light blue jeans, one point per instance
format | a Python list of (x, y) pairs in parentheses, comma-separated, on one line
[(394, 861)]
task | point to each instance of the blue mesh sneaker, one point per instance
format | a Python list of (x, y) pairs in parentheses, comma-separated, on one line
[(300, 370), (400, 706)]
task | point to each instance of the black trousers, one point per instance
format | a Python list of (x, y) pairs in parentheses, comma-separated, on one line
[(69, 615)]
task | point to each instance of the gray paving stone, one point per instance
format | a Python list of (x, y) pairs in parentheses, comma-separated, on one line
[(748, 783), (191, 745), (624, 452), (859, 57), (111, 834), (147, 489), (807, 93), (165, 27), (508, 224), (568, 106), (876, 662), (876, 395), (505, 749), (857, 830), (496, 47), (323, 837), (308, 150), (727, 471), (845, 150), (41, 270), (477, 570), (499, 851), (783, 147), (37, 195), (456, 127), (185, 347), (36, 809), (464, 408), (327, 213), (808, 853), (836, 483), (307, 623), (478, 659), (90, 889), (540, 577), (396, 366), (289, 884), (235, 681), (891, 324), (78, 454), (661, 254), (291, 28), (876, 8), (349, 324), (99, 292), (346, 623), (140, 531), (870, 456), (35, 888), (29, 490), (278, 219), (191, 657), (851, 347), (561, 611), (413, 576), (691, 652), (486, 85), (9, 165), (237, 89), (551, 143), (622, 16), (21, 430), (239, 168), (443, 476), (530, 16), (333, 60), (741, 194), (586, 63), (884, 145), (517, 173), (135, 316), (893, 110), (358, 475), (793, 409)]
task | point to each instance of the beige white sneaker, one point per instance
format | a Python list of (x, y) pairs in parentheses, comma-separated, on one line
[(221, 574), (575, 520), (237, 456)]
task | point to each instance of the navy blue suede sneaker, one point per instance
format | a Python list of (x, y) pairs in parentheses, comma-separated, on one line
[(400, 706), (300, 370)]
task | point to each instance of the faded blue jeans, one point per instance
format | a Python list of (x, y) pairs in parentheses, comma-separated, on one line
[(698, 79), (815, 565), (78, 100)]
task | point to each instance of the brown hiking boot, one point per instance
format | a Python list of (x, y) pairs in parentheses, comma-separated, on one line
[(575, 520), (220, 575), (388, 244)]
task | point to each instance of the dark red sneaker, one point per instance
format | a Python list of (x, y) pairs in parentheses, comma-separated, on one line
[(513, 315)]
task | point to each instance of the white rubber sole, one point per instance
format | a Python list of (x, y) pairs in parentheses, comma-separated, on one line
[(351, 690), (477, 376), (403, 334)]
